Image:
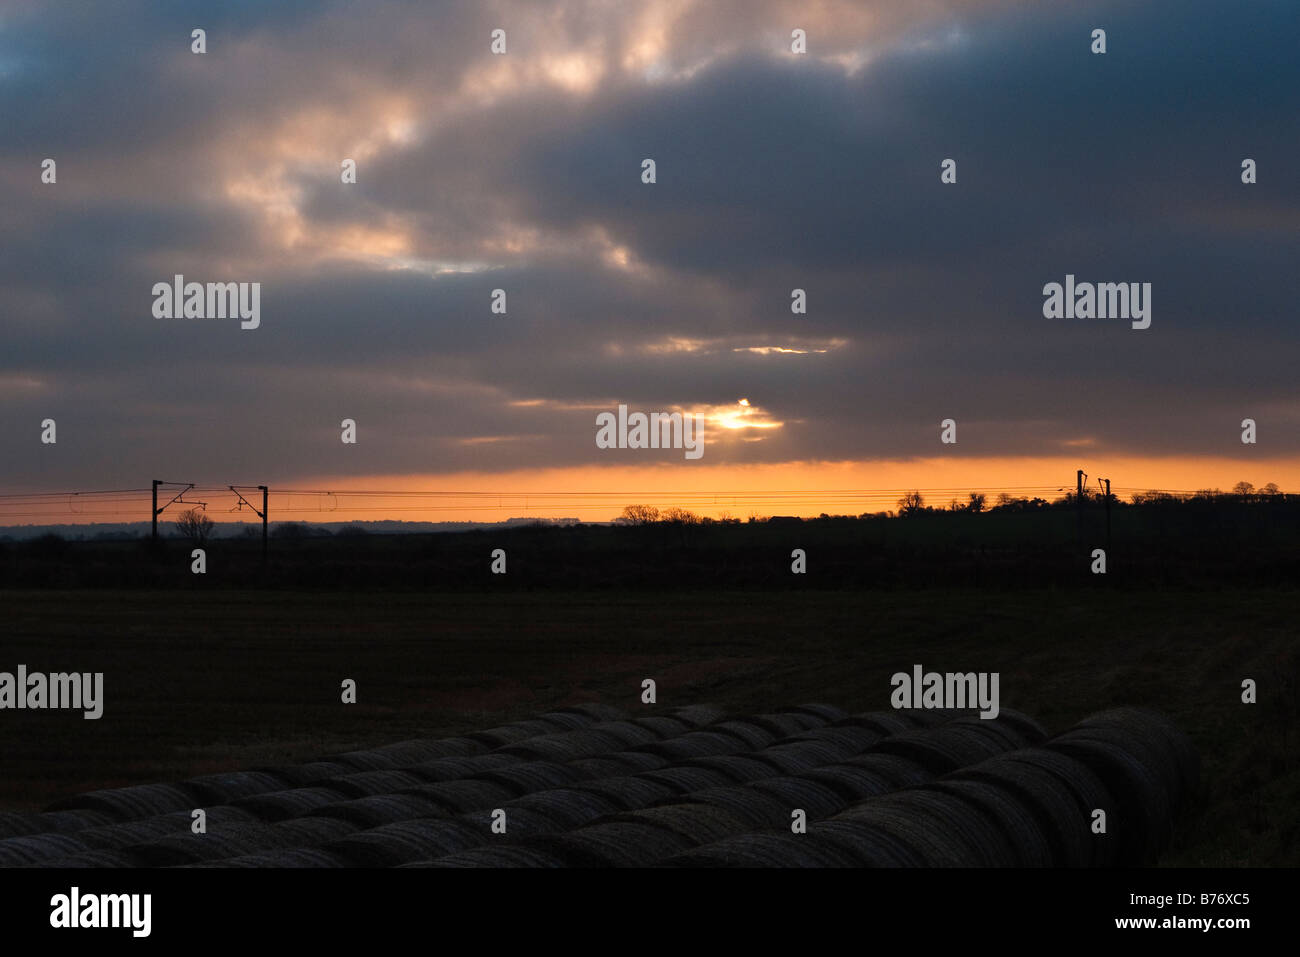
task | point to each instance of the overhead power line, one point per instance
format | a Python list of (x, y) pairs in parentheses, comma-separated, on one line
[(48, 507)]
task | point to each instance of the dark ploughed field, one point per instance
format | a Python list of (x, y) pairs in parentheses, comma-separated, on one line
[(201, 682)]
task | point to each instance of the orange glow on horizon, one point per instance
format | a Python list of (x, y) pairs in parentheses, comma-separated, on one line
[(599, 494), (596, 494)]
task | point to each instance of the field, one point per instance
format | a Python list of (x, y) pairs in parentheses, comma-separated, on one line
[(198, 681)]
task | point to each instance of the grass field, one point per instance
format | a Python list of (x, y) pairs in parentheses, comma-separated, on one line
[(198, 681)]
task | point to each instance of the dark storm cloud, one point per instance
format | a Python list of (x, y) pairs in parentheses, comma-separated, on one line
[(774, 172)]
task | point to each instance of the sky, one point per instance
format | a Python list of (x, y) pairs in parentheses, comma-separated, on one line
[(522, 171)]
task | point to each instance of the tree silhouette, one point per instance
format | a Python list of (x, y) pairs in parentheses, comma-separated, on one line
[(911, 504), (194, 525), (641, 514)]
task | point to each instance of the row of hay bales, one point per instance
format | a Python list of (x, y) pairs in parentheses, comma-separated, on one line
[(366, 788), (335, 787), (553, 798), (1032, 807), (589, 787), (725, 800), (107, 820), (971, 794)]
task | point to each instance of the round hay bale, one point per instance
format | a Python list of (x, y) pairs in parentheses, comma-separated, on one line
[(37, 848), (960, 821), (1143, 821), (507, 734), (173, 850), (814, 754), (765, 850), (942, 750), (783, 761), (928, 717), (625, 762), (937, 839), (759, 810), (630, 791), (594, 768), (1004, 734), (504, 855), (828, 713), (563, 721), (870, 846), (312, 831), (454, 769), (851, 739), (781, 725), (623, 843), (458, 797), (284, 857), (89, 859), (380, 809), (570, 806), (993, 735), (1160, 763), (521, 823), (569, 746), (851, 783), (1164, 746), (461, 746), (596, 711), (1066, 791), (295, 802), (900, 772), (419, 750), (1018, 826), (232, 785), (806, 720), (131, 803), (371, 760), (629, 734), (529, 776), (367, 783), (684, 779), (699, 715), (303, 775), (634, 761), (737, 768), (1048, 798), (752, 736), (407, 841), (883, 723), (74, 822), (816, 799), (111, 837), (1030, 731), (695, 744), (698, 823), (533, 726), (21, 823), (665, 726)]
